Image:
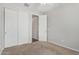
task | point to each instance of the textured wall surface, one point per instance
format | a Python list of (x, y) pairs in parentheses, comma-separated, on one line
[(63, 25)]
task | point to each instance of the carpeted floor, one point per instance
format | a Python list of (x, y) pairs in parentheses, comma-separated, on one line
[(38, 48)]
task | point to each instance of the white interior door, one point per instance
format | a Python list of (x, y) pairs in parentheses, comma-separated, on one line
[(10, 27), (43, 28), (23, 27)]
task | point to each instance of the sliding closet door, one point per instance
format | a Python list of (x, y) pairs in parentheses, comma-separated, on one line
[(0, 27), (43, 28), (10, 27), (23, 27)]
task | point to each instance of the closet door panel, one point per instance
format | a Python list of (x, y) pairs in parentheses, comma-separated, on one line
[(10, 27), (23, 27)]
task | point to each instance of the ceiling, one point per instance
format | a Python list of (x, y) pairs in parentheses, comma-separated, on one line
[(43, 7), (37, 7)]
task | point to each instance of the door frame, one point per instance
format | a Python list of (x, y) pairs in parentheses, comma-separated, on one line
[(37, 23), (38, 27)]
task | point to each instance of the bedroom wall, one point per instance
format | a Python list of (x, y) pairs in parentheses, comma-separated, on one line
[(63, 25)]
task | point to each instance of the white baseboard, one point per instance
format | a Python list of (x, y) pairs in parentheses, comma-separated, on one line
[(64, 46)]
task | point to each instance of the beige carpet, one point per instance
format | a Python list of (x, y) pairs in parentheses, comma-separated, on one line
[(36, 48)]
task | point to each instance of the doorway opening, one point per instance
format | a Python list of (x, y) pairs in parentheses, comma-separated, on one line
[(35, 28)]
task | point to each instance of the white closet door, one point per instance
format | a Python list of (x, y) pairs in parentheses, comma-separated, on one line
[(10, 27), (23, 27), (0, 27), (43, 28)]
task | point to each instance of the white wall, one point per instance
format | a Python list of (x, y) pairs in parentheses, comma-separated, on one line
[(63, 25)]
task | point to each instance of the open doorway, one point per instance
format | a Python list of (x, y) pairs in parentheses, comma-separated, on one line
[(35, 28)]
